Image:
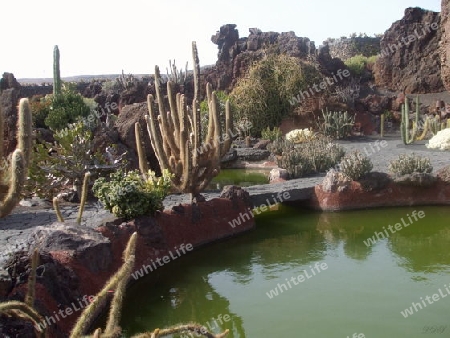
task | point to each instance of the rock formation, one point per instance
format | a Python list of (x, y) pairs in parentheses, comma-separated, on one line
[(445, 43), (409, 58)]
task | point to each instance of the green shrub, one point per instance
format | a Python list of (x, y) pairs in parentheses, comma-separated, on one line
[(72, 155), (272, 135), (358, 63), (65, 109), (409, 164), (316, 156), (40, 108), (263, 95), (129, 195), (355, 165)]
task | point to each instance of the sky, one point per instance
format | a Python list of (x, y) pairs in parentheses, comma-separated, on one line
[(106, 37)]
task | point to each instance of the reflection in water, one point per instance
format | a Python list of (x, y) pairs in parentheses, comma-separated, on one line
[(232, 277)]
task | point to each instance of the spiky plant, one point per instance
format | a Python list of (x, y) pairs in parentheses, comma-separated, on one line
[(177, 138), (56, 73), (26, 309), (20, 157)]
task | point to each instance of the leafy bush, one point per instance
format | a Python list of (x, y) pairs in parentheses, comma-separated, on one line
[(300, 135), (65, 109), (316, 156), (40, 108), (355, 165), (64, 162), (272, 135), (130, 194), (409, 164), (358, 63), (262, 95)]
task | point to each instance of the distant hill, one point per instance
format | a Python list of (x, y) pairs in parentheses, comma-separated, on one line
[(76, 78)]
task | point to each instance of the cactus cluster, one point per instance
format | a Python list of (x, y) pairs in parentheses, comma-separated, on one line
[(177, 139), (337, 125), (20, 157), (408, 137)]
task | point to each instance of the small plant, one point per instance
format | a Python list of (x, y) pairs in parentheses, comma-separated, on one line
[(315, 156), (337, 125), (129, 195), (271, 134), (409, 164), (355, 165)]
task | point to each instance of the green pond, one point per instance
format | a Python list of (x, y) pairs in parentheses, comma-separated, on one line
[(240, 177), (334, 282)]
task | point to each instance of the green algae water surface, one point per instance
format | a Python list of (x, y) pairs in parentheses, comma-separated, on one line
[(381, 273)]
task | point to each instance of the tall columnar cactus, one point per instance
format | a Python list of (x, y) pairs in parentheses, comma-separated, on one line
[(56, 72), (176, 136), (20, 158), (382, 125), (407, 136)]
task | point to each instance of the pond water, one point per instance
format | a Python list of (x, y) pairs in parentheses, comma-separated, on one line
[(331, 282), (240, 177)]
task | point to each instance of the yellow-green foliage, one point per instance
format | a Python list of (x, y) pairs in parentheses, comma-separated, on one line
[(262, 95), (358, 63)]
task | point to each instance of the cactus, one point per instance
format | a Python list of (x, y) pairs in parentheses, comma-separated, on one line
[(176, 135), (337, 125), (382, 125), (26, 309), (143, 165), (56, 72), (20, 158), (407, 136), (84, 193)]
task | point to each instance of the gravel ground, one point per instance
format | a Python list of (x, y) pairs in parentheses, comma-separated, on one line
[(15, 228)]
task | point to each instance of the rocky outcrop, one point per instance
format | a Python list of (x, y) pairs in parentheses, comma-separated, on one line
[(445, 43), (409, 58), (237, 54), (345, 48), (128, 116)]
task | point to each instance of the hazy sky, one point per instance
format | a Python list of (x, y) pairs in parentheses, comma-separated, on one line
[(104, 37)]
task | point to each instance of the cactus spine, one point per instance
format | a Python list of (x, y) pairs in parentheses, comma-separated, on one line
[(20, 158), (407, 136), (56, 72), (176, 135)]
